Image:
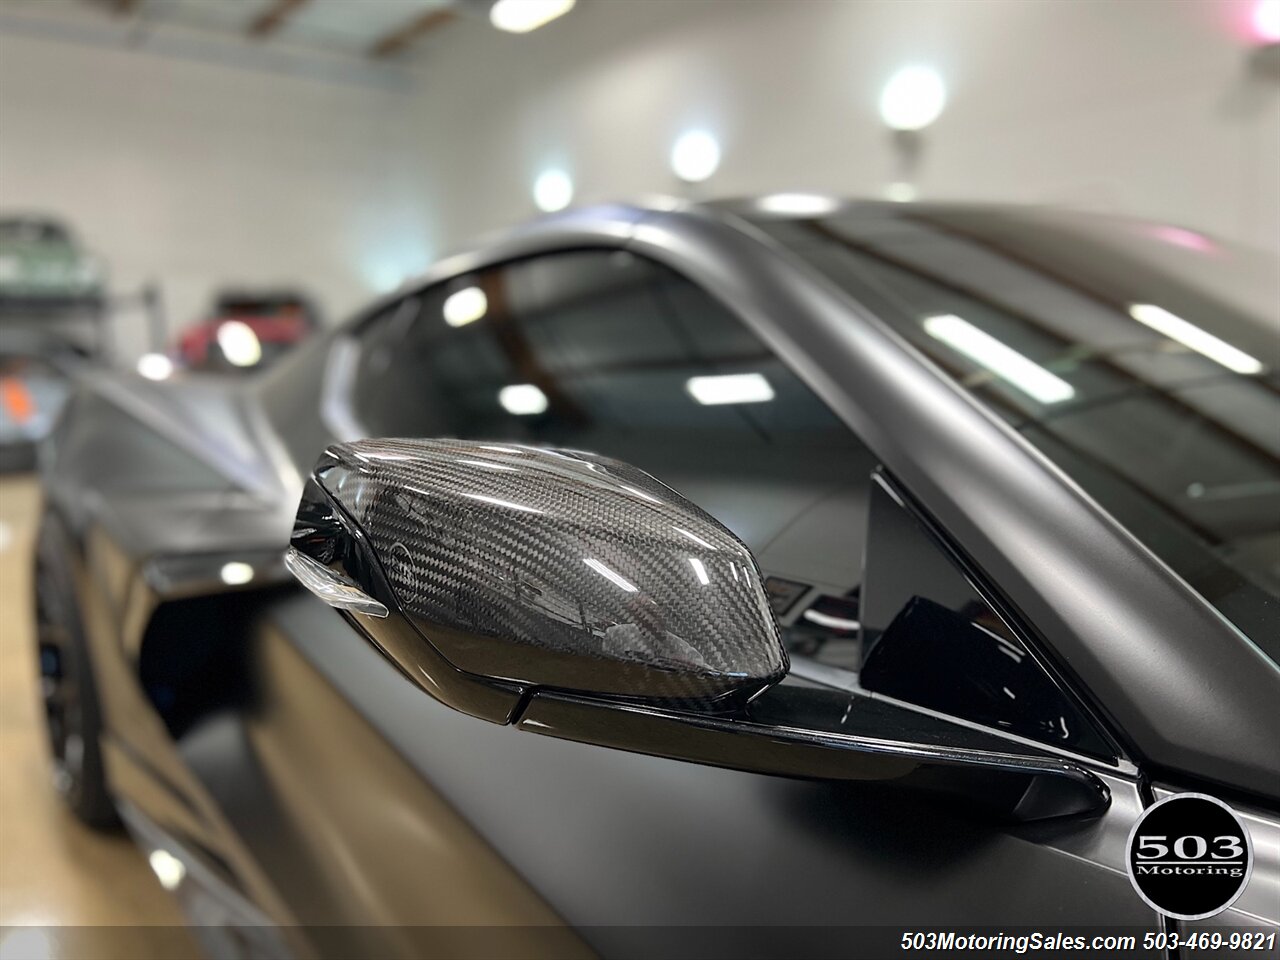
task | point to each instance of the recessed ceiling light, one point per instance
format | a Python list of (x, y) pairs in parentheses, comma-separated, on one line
[(913, 98), (521, 16)]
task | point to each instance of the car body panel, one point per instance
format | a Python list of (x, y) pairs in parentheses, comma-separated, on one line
[(325, 789)]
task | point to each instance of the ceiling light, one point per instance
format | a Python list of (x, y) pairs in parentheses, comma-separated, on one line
[(798, 204), (521, 16), (155, 366), (465, 306), (730, 388), (239, 344), (167, 868), (913, 98), (552, 191), (1191, 336), (236, 574), (695, 156), (522, 399), (1001, 359)]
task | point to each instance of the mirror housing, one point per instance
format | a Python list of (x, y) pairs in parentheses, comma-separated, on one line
[(578, 597), (524, 567)]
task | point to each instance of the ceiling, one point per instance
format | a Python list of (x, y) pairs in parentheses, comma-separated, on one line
[(379, 29)]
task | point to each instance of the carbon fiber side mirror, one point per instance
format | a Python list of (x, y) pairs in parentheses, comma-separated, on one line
[(478, 566)]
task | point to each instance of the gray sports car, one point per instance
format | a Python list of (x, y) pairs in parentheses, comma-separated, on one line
[(856, 569)]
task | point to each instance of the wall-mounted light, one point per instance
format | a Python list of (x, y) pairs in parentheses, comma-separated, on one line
[(465, 306), (695, 156), (521, 16), (522, 399), (913, 98), (155, 366), (553, 190)]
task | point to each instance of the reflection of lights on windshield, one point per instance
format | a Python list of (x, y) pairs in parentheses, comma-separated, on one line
[(167, 868), (695, 156), (1002, 360), (521, 16), (155, 366), (694, 537), (609, 575), (236, 573), (465, 306), (913, 98), (522, 399), (730, 388), (488, 466), (239, 344), (699, 571), (798, 204), (1189, 335), (830, 622), (1180, 237), (502, 503)]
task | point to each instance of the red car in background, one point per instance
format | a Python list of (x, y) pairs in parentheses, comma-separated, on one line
[(247, 332)]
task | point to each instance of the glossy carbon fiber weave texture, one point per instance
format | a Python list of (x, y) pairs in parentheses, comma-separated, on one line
[(558, 550)]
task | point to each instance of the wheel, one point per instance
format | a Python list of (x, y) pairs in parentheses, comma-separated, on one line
[(67, 689)]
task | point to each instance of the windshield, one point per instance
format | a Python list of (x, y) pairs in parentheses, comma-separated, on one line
[(1141, 358)]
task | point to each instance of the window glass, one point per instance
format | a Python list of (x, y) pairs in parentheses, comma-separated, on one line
[(1143, 359), (608, 352)]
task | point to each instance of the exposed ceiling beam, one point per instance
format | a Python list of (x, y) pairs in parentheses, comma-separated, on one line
[(274, 17), (414, 30)]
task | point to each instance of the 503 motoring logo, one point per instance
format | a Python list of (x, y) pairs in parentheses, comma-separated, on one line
[(1189, 856)]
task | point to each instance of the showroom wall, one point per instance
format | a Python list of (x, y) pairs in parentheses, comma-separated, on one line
[(206, 164), (233, 168), (1149, 108)]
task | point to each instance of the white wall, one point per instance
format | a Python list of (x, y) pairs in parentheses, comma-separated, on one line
[(198, 173), (1136, 106)]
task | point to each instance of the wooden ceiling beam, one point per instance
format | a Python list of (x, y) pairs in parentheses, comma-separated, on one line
[(411, 32), (274, 17)]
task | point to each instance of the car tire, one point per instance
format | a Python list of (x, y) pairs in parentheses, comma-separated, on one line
[(68, 692)]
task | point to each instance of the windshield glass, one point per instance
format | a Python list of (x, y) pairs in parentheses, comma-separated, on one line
[(1141, 358)]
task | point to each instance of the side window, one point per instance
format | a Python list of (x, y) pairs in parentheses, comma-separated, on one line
[(609, 352)]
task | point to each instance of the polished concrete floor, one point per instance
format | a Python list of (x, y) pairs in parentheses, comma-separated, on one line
[(65, 891)]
